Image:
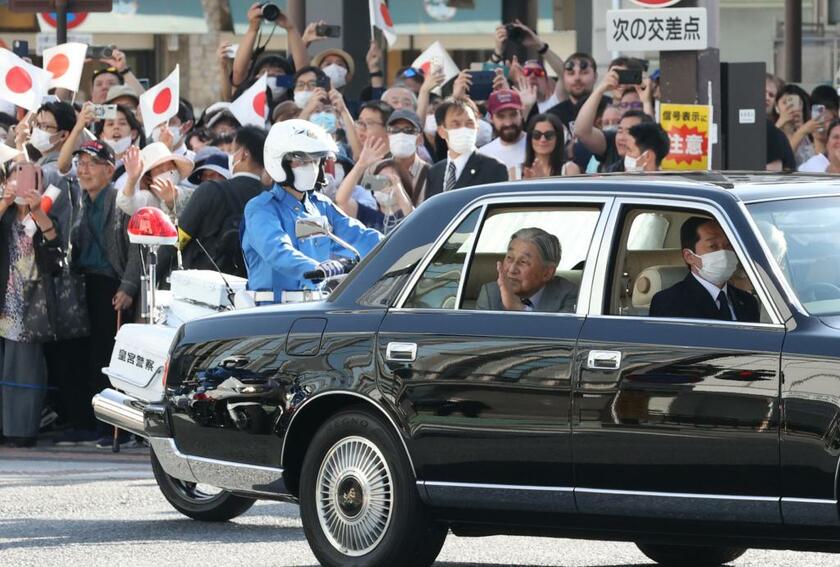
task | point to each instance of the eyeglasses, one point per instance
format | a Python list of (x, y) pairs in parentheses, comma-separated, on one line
[(535, 71), (86, 163), (407, 130), (582, 64), (365, 124), (307, 86), (548, 135), (634, 105), (46, 127)]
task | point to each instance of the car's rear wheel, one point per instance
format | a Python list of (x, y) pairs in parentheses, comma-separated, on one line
[(689, 555), (198, 501), (358, 499)]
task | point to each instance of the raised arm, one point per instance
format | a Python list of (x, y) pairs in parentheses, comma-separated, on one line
[(591, 137), (373, 150), (531, 39), (337, 102), (224, 70), (242, 61), (117, 60), (65, 156)]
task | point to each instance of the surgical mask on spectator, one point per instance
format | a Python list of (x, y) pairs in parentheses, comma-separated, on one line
[(610, 128), (175, 131), (485, 133), (430, 126), (337, 75), (40, 140), (402, 145), (632, 164), (172, 175), (326, 120), (232, 163), (462, 140), (718, 266), (119, 146), (306, 176), (302, 98)]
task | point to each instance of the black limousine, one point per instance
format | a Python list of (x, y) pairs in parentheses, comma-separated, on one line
[(628, 401)]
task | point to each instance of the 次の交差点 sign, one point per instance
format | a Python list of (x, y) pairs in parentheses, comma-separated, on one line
[(669, 29)]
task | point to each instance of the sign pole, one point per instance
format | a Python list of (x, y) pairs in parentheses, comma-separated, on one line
[(61, 21)]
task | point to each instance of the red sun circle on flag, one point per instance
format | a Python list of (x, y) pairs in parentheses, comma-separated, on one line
[(259, 104), (58, 65), (386, 15), (162, 101), (18, 80)]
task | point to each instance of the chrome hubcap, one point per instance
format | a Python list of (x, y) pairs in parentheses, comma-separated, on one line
[(354, 497)]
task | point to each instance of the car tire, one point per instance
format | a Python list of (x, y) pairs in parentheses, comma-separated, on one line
[(189, 498), (690, 555), (359, 502)]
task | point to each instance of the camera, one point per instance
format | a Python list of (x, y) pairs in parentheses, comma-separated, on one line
[(100, 51), (514, 33), (323, 30), (270, 11)]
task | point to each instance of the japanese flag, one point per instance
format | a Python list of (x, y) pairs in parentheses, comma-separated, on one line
[(160, 103), (380, 17), (252, 107), (65, 62), (436, 56), (21, 83)]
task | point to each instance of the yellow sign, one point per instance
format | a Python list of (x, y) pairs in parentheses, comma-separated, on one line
[(687, 126)]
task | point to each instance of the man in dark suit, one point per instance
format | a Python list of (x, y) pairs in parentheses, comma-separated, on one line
[(526, 280), (705, 293), (457, 120)]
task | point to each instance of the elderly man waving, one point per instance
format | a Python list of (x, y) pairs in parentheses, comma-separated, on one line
[(526, 279)]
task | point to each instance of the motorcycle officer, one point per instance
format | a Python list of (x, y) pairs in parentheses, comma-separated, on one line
[(294, 155)]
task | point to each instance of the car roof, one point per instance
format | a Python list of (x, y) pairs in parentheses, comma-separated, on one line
[(746, 186)]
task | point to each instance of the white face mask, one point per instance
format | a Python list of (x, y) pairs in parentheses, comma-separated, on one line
[(337, 75), (632, 164), (402, 145), (233, 162), (718, 266), (462, 140), (172, 175), (610, 128), (302, 98), (174, 130), (306, 176), (40, 140), (119, 146), (430, 126)]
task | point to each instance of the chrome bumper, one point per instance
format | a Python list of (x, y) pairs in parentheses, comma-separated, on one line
[(122, 411)]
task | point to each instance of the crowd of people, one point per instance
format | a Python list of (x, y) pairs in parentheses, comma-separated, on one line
[(235, 191)]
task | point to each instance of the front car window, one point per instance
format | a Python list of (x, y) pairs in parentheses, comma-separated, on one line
[(803, 237)]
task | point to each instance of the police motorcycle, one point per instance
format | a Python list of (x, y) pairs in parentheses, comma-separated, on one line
[(137, 362)]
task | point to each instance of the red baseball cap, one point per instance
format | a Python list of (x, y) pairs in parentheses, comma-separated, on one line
[(503, 99)]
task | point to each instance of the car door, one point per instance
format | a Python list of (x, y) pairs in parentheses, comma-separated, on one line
[(674, 418), (486, 394)]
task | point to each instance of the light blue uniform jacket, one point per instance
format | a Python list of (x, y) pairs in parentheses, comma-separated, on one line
[(275, 258)]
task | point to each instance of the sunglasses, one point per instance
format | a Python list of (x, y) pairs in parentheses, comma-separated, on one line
[(635, 105), (547, 136), (582, 64), (535, 71), (407, 130)]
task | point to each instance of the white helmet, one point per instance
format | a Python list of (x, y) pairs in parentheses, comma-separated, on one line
[(295, 137)]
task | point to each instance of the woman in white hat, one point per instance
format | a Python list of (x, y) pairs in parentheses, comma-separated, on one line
[(155, 177)]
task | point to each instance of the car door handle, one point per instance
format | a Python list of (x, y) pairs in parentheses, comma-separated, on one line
[(603, 360), (401, 352)]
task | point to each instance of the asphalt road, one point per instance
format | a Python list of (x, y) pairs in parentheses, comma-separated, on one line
[(92, 508)]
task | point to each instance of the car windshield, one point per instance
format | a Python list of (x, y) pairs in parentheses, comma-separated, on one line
[(803, 235)]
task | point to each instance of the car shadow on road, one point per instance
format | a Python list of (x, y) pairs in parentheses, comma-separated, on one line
[(22, 533), (458, 564)]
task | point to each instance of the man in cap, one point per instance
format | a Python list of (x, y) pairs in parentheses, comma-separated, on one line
[(111, 269), (405, 140), (505, 108), (124, 95)]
